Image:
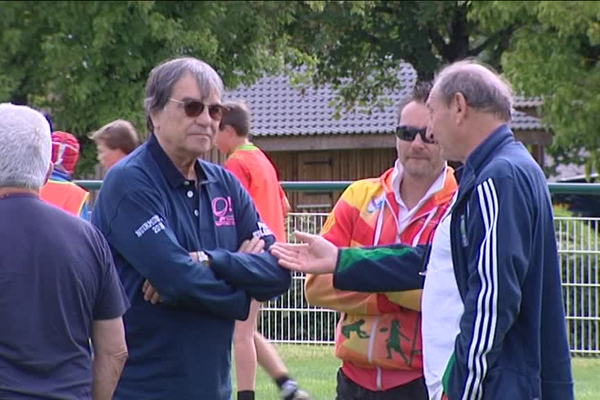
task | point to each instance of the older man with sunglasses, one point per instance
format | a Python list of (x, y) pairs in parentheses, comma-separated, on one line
[(175, 225), (379, 336)]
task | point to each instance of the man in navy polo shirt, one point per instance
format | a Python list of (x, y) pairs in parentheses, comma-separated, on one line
[(58, 284), (175, 224)]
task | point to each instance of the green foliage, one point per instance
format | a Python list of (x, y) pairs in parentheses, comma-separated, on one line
[(548, 49), (358, 46), (561, 211), (556, 55), (87, 62)]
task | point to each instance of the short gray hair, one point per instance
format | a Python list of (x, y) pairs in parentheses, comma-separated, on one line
[(25, 147), (483, 89), (164, 76)]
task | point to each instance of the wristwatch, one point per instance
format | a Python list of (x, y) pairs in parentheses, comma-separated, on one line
[(203, 258)]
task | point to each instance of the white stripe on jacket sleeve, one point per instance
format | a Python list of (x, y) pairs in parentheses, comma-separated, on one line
[(484, 330)]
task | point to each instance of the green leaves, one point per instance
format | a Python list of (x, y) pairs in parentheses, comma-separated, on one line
[(556, 55), (88, 61), (358, 46)]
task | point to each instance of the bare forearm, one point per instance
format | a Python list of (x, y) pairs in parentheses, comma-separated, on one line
[(107, 371)]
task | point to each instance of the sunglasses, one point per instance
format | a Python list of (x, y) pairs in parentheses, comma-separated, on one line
[(409, 133), (193, 108)]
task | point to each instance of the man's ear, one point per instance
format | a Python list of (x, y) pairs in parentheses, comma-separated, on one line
[(227, 130), (50, 169), (230, 133), (155, 120), (460, 107)]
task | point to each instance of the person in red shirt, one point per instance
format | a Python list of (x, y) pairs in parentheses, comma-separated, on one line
[(259, 177)]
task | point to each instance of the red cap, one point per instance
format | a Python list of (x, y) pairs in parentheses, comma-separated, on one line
[(65, 150)]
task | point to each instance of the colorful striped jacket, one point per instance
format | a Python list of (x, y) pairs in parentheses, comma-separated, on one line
[(378, 336)]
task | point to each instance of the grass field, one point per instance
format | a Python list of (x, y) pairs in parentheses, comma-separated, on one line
[(314, 367)]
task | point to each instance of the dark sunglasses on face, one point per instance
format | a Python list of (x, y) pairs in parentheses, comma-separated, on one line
[(408, 133), (193, 108)]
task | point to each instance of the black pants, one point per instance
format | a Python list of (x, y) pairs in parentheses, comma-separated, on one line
[(348, 390)]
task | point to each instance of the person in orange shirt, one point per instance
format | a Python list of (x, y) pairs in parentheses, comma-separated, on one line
[(60, 189), (259, 177)]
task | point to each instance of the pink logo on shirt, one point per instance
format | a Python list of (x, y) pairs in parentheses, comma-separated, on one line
[(223, 211)]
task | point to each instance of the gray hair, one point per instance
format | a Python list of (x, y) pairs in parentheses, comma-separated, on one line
[(164, 76), (25, 147), (483, 89)]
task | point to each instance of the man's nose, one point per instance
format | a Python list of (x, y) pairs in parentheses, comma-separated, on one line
[(418, 142), (204, 118)]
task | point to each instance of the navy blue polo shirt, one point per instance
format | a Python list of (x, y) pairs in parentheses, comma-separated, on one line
[(56, 278), (153, 217)]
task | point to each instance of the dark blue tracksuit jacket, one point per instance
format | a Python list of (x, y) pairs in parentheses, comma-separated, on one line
[(512, 342), (153, 217)]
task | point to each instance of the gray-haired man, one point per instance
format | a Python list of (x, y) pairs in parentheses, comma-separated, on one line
[(58, 284), (493, 318), (173, 223)]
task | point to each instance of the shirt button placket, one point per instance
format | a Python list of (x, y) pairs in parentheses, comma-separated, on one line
[(190, 195)]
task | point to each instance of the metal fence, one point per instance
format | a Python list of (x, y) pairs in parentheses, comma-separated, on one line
[(579, 250), (290, 319)]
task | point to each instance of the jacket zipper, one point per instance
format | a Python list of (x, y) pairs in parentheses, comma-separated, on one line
[(429, 215), (372, 340), (456, 236), (378, 230)]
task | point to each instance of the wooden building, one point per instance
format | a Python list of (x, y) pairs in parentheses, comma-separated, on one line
[(297, 129)]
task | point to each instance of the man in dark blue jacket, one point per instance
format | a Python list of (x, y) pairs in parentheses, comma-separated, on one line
[(493, 318), (175, 225)]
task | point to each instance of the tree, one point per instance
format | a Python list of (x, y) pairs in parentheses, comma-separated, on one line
[(556, 55), (87, 62), (357, 48)]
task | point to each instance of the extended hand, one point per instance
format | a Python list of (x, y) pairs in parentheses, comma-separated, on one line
[(315, 256)]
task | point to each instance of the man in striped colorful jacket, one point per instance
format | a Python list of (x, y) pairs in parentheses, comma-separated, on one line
[(493, 318), (379, 334)]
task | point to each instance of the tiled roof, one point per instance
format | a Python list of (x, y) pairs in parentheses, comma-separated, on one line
[(279, 109), (528, 102)]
